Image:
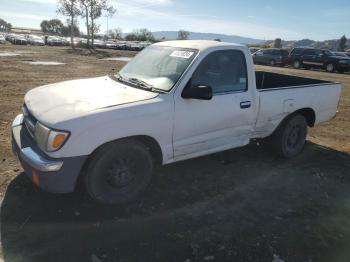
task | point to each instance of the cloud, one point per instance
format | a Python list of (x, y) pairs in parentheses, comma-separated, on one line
[(50, 2), (23, 15), (172, 19), (166, 15)]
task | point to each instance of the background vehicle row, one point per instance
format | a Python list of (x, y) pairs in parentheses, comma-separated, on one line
[(304, 58), (18, 39)]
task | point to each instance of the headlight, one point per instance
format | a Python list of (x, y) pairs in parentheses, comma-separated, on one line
[(49, 140)]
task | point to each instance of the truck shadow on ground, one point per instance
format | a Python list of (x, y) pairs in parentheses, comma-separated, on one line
[(243, 204)]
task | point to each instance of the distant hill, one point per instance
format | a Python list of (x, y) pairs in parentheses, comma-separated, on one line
[(169, 35), (326, 44)]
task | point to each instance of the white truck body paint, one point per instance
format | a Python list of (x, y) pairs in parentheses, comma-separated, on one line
[(100, 110)]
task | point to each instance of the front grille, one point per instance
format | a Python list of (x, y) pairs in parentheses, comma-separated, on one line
[(29, 120)]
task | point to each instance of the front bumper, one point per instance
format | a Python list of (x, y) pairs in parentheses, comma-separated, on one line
[(50, 174)]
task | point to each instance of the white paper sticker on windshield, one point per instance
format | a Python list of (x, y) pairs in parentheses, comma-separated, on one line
[(182, 54)]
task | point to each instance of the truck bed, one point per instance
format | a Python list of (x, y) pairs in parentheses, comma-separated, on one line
[(267, 80), (291, 93)]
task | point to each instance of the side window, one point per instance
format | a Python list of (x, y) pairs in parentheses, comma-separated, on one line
[(223, 71), (296, 51), (309, 52), (259, 53), (267, 52), (276, 52), (284, 52)]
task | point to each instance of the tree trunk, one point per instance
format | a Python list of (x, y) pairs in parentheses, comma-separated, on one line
[(87, 26), (92, 27), (72, 32)]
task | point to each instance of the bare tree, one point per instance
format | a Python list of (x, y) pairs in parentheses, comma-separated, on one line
[(277, 43), (96, 9), (84, 4), (92, 10), (4, 26), (182, 35), (69, 8), (53, 26), (341, 45), (116, 33)]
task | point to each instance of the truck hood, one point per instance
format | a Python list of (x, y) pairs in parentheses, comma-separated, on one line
[(58, 102)]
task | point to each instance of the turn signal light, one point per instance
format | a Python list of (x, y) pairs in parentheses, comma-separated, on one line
[(58, 141)]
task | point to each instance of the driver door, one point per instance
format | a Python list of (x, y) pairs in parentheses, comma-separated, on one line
[(225, 121)]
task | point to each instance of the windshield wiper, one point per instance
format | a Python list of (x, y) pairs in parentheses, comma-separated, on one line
[(143, 84), (138, 83)]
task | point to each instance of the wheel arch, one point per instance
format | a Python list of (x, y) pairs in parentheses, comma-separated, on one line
[(307, 112), (149, 142), (309, 115)]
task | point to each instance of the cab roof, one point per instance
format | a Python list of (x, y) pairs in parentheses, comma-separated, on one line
[(196, 44)]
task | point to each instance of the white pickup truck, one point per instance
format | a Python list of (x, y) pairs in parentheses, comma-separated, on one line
[(174, 101)]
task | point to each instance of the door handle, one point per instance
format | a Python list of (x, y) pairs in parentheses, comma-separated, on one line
[(245, 104)]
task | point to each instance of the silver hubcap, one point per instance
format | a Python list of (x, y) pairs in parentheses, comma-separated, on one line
[(330, 67), (296, 64)]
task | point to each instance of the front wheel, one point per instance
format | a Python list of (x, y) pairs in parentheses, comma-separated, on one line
[(119, 172), (330, 68), (297, 64), (289, 139)]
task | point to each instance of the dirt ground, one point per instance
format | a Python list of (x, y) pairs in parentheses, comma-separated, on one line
[(240, 205)]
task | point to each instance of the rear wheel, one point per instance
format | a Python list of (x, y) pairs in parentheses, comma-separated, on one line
[(297, 64), (289, 139), (330, 68), (119, 172)]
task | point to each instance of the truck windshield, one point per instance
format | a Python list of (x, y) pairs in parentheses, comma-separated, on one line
[(158, 67)]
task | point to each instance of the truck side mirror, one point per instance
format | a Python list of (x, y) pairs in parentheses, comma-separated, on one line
[(201, 92)]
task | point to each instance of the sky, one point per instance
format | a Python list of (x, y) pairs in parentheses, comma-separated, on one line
[(268, 19)]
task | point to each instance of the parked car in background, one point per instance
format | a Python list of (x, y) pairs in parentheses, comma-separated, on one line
[(253, 49), (76, 40), (18, 40), (121, 45), (343, 54), (35, 40), (99, 43), (135, 46), (54, 41), (318, 58), (111, 44), (271, 56), (2, 39), (109, 133)]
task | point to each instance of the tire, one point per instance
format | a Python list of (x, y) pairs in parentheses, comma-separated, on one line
[(119, 172), (289, 138), (330, 68), (296, 64), (272, 62), (341, 71)]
